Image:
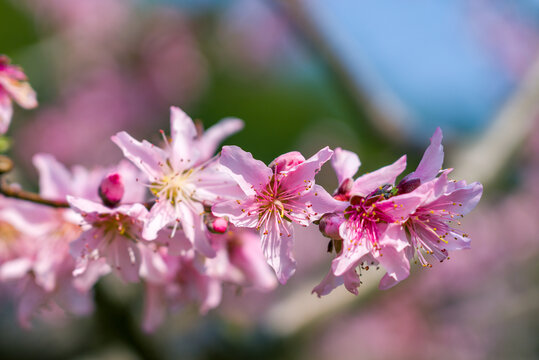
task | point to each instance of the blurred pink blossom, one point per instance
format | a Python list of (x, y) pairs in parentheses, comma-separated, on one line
[(13, 87)]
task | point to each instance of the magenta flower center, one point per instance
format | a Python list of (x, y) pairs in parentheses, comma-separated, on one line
[(276, 202), (363, 216)]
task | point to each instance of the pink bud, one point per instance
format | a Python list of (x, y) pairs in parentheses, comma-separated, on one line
[(343, 192), (217, 225), (408, 185), (287, 161), (220, 225), (111, 190), (329, 225)]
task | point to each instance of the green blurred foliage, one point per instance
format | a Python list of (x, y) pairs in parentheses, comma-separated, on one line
[(16, 29)]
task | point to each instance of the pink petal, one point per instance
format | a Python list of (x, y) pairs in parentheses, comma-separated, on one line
[(183, 133), (6, 112), (215, 135), (248, 257), (92, 271), (350, 279), (316, 203), (135, 191), (400, 207), (55, 181), (457, 242), (237, 212), (287, 162), (124, 257), (397, 266), (432, 160), (327, 284), (20, 91), (15, 269), (194, 228), (161, 214), (393, 256), (367, 183), (244, 169), (153, 267), (144, 155), (84, 206), (393, 235), (211, 294), (345, 163), (465, 199), (277, 248), (351, 254), (177, 245), (306, 171), (214, 183), (29, 218)]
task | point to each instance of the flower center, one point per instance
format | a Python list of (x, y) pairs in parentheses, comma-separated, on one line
[(431, 230), (174, 187), (363, 216), (117, 224)]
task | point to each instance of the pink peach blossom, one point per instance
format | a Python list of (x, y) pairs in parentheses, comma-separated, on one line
[(275, 198), (182, 177), (13, 86), (113, 234)]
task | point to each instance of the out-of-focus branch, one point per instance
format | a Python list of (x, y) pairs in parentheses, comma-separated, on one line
[(9, 191), (299, 21), (301, 309), (483, 160), (6, 165)]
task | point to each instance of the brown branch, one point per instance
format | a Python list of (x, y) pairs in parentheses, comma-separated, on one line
[(9, 191)]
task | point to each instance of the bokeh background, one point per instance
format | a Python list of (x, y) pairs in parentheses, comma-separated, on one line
[(373, 76)]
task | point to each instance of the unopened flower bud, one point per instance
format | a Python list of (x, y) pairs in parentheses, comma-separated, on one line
[(408, 185), (111, 190), (344, 189), (287, 161), (216, 225), (329, 225)]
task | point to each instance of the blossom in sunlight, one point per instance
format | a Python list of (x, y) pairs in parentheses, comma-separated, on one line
[(13, 86), (432, 227), (113, 233), (385, 224), (274, 198), (372, 228), (369, 232), (183, 177)]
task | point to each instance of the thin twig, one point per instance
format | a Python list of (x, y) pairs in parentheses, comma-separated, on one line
[(9, 191)]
